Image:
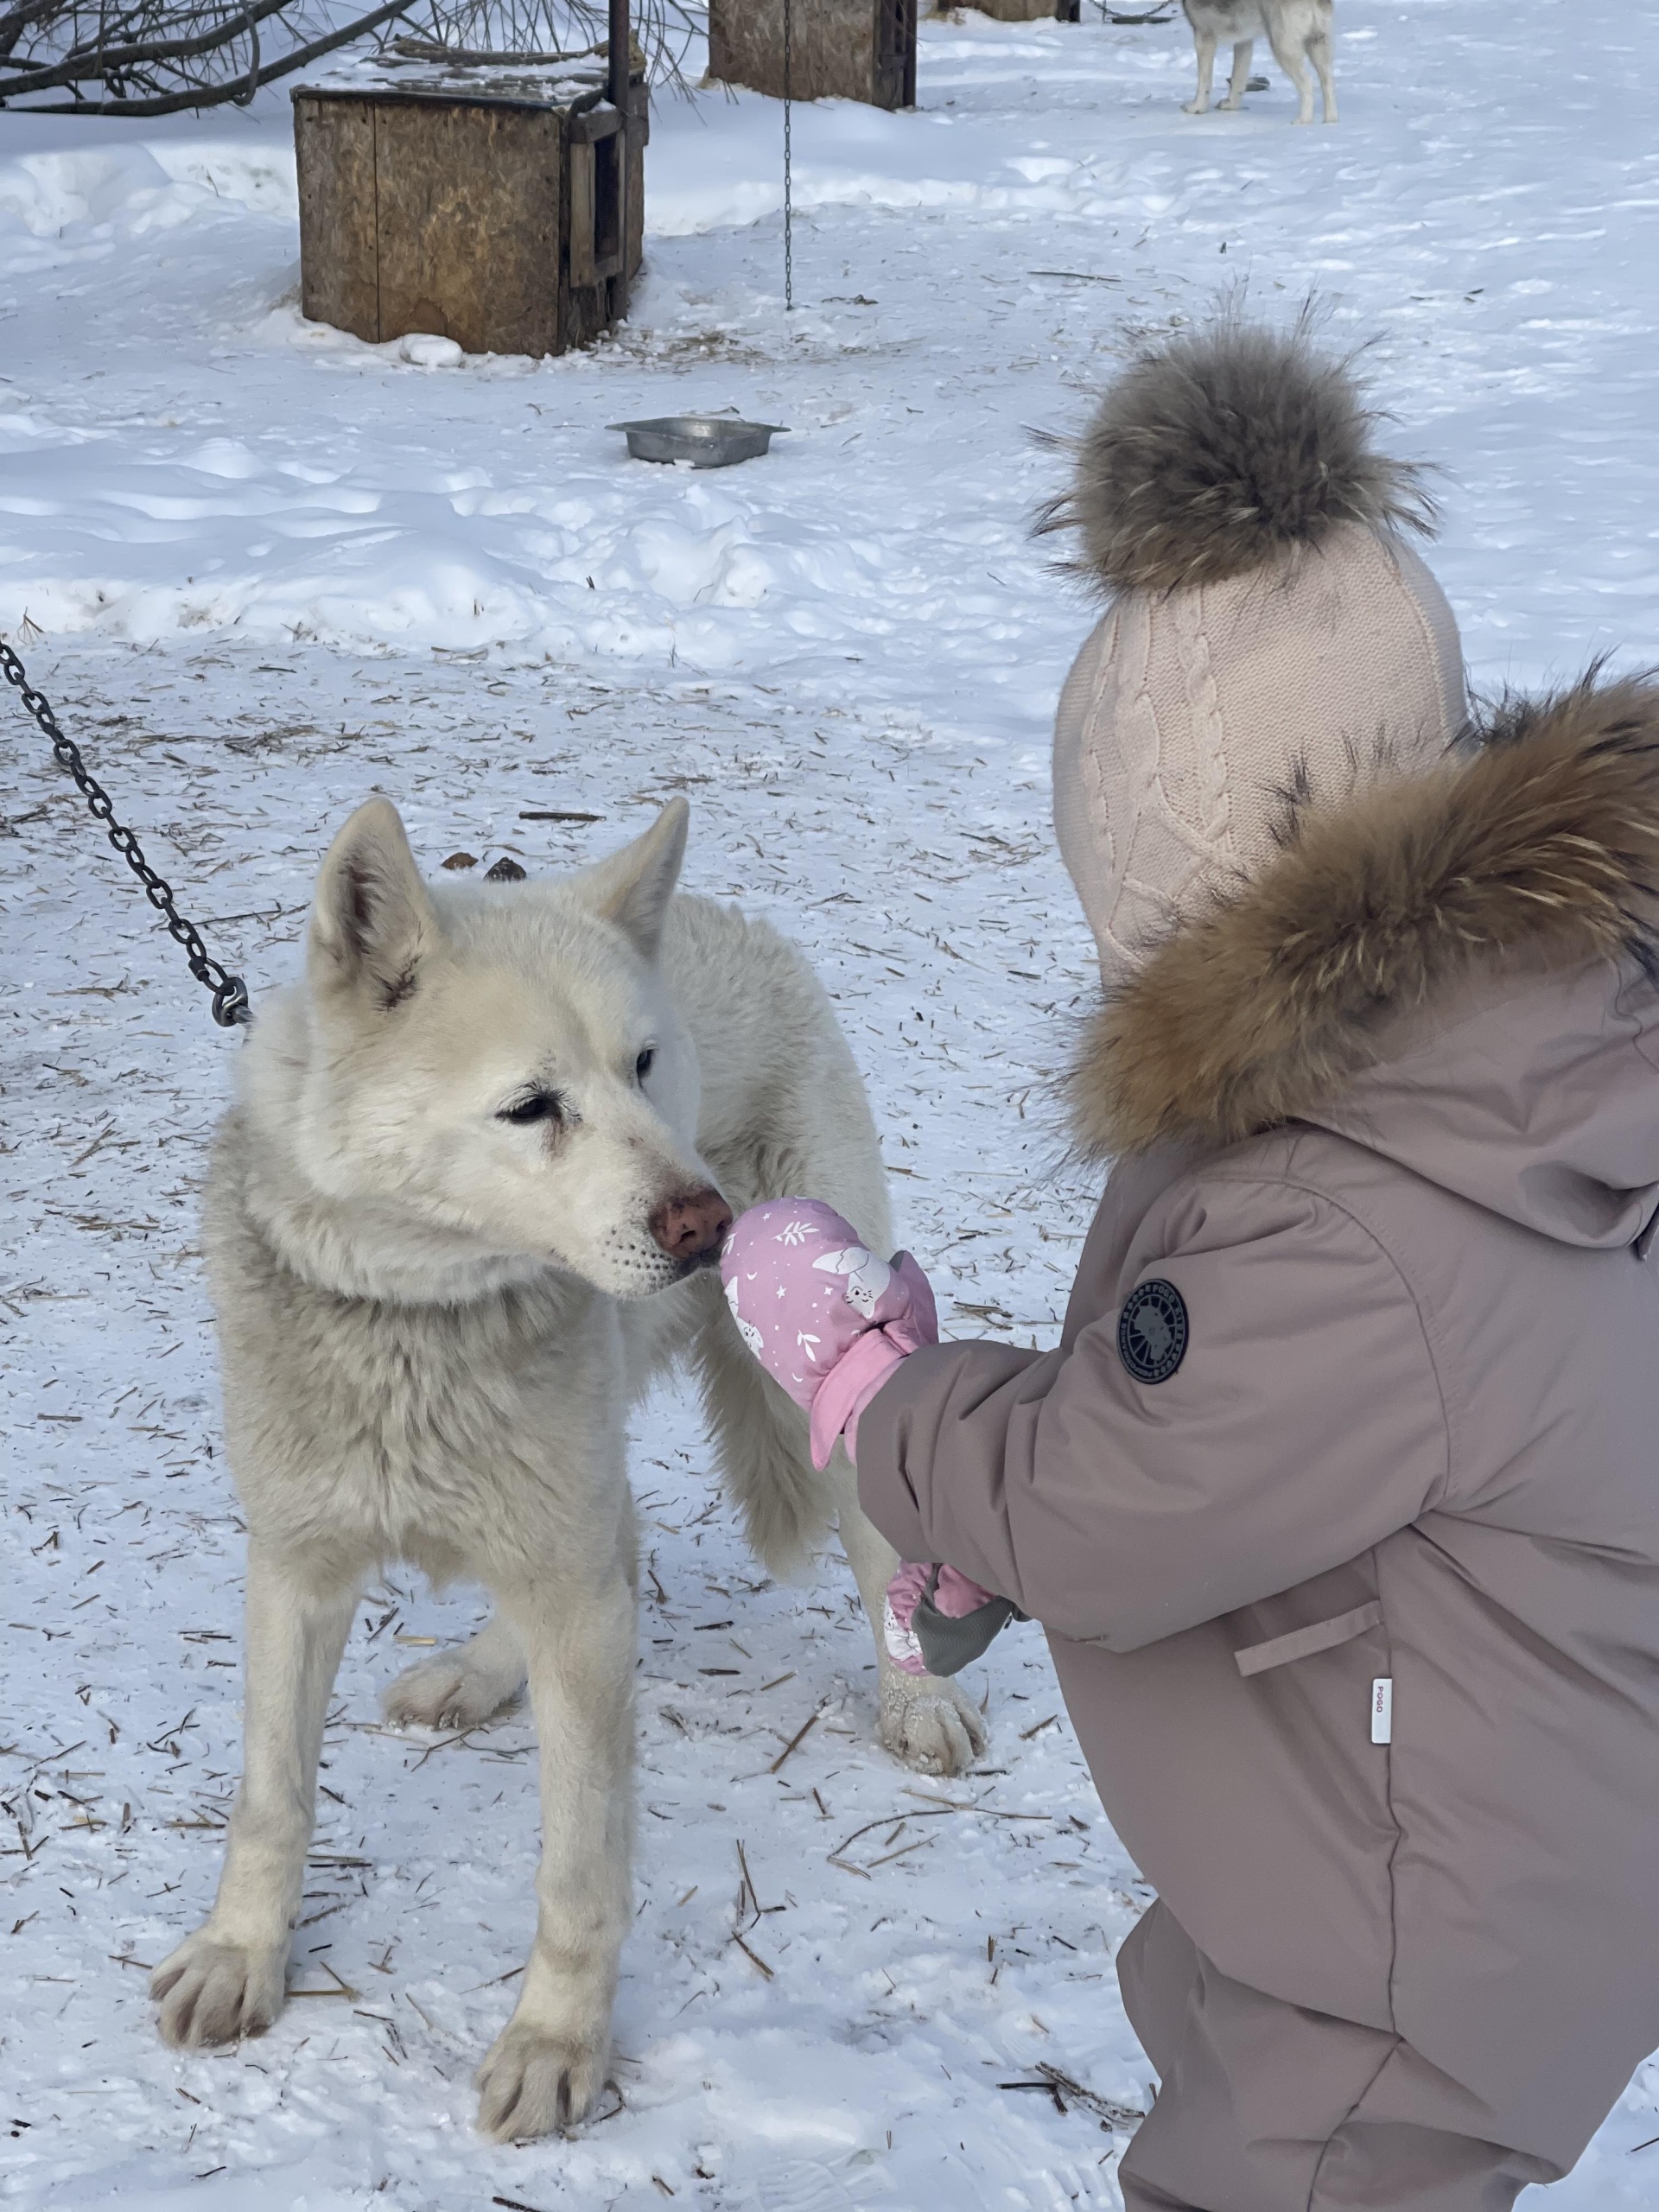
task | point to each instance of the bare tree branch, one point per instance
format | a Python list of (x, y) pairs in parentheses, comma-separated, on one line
[(155, 57), (240, 87), (14, 22), (86, 62)]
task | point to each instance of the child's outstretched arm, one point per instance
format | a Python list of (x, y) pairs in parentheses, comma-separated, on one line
[(1195, 1443)]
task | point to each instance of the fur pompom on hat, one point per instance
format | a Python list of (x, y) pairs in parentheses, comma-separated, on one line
[(1270, 636), (1225, 450)]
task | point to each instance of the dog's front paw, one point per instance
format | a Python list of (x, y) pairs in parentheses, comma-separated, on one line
[(1195, 107), (212, 1992), (534, 2081), (454, 1690), (930, 1724)]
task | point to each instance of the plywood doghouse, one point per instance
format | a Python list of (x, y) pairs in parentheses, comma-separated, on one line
[(499, 208), (839, 49)]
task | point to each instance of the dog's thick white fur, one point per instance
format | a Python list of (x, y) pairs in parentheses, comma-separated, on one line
[(462, 1212), (1298, 31)]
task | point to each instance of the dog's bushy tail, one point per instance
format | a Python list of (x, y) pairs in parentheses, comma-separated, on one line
[(760, 1442), (1225, 449)]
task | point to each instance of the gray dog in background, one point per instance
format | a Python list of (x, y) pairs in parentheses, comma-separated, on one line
[(1298, 31), (467, 1205)]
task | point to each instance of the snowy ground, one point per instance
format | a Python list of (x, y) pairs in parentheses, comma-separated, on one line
[(264, 570)]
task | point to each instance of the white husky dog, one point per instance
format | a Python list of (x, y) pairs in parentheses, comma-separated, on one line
[(464, 1209), (1298, 31)]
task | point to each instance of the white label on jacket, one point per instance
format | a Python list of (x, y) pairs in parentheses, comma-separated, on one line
[(1382, 1709)]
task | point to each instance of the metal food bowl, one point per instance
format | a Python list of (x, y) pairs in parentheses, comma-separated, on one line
[(706, 440)]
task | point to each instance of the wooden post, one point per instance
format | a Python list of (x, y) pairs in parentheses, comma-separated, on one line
[(841, 49), (503, 209)]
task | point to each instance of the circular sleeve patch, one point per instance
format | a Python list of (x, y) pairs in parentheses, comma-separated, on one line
[(1152, 1330)]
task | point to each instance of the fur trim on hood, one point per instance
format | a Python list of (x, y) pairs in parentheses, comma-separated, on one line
[(1227, 449), (1542, 842)]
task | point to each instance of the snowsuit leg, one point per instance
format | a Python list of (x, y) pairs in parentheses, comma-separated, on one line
[(1267, 2107)]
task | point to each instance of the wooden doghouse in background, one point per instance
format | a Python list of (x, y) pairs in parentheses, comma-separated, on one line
[(839, 49), (502, 208)]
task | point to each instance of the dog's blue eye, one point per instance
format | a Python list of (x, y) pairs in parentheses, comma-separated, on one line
[(540, 1106), (642, 1066)]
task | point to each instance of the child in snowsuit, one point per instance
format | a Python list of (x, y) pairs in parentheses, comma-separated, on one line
[(1339, 1497)]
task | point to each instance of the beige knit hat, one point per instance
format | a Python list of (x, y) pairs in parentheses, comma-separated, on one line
[(1271, 642)]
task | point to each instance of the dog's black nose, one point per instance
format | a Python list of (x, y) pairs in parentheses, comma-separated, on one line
[(692, 1224)]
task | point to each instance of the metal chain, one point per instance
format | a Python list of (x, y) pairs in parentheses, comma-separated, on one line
[(789, 194), (230, 992)]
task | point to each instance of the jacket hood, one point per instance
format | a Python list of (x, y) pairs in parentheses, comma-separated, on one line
[(1456, 969)]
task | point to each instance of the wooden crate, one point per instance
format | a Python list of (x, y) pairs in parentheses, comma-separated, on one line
[(1015, 11), (505, 212), (839, 49)]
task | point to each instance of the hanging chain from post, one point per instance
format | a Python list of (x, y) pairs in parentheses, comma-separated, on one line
[(788, 195), (618, 77), (230, 992)]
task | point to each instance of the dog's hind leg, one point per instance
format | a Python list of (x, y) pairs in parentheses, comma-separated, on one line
[(461, 1689), (1205, 42), (1238, 84), (787, 1505), (547, 2066), (925, 1720), (1293, 60), (1319, 52), (228, 1979)]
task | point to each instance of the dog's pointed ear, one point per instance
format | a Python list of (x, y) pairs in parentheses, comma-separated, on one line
[(372, 921), (633, 887)]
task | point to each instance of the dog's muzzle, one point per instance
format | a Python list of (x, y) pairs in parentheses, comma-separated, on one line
[(692, 1226)]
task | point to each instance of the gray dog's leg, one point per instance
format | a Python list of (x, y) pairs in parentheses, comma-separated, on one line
[(1294, 61), (1239, 81), (1319, 49), (926, 1721), (1205, 43), (228, 1979), (547, 2066)]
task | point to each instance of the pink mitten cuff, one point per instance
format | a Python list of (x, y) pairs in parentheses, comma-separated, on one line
[(848, 1388)]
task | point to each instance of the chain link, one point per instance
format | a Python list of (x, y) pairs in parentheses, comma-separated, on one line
[(230, 992)]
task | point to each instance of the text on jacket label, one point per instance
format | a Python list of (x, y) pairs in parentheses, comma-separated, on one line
[(1382, 1709)]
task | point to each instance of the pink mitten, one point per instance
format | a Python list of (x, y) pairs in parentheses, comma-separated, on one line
[(936, 1619), (824, 1316)]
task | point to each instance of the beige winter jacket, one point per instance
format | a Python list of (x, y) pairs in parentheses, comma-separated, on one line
[(1359, 1385)]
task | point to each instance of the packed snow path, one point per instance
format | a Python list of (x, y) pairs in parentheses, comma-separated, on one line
[(347, 571)]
